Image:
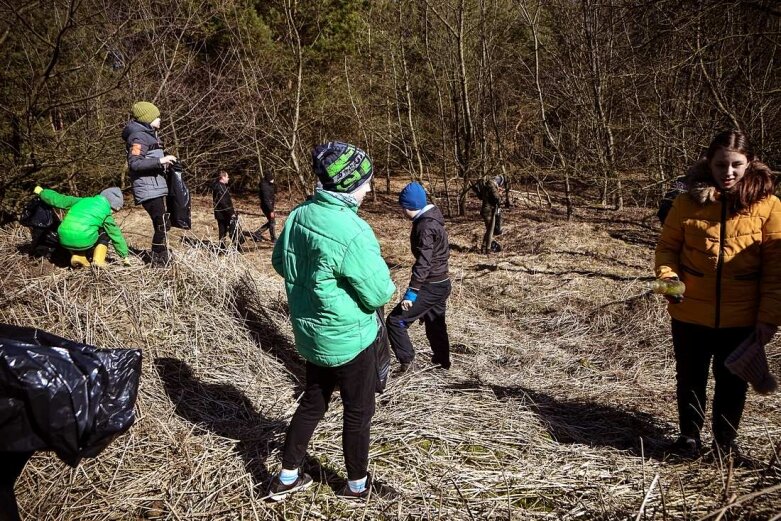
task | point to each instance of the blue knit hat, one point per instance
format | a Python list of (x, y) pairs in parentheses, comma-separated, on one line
[(413, 196), (341, 167)]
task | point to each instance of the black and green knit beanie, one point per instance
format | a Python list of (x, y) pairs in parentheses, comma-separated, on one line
[(341, 167), (145, 112)]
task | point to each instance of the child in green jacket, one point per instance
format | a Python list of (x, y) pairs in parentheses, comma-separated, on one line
[(89, 225)]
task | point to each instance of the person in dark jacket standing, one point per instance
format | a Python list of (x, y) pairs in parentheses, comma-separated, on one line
[(429, 285), (223, 206), (267, 193), (487, 189), (148, 162)]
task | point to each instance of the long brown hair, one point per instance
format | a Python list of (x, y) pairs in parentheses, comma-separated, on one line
[(756, 183)]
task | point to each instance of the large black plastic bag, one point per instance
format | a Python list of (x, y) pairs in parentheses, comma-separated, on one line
[(382, 358), (178, 198), (42, 222), (60, 395)]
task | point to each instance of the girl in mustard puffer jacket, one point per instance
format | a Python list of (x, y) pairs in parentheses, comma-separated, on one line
[(723, 239)]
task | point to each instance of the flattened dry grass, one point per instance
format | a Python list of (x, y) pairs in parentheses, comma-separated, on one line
[(557, 406)]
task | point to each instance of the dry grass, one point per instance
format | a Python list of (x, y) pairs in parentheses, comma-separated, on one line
[(559, 400)]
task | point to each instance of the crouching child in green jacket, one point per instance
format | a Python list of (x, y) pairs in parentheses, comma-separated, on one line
[(89, 225), (335, 280)]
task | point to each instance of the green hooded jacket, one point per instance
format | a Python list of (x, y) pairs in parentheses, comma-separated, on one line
[(86, 215), (335, 279)]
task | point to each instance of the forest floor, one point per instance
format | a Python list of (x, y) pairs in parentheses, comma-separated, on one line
[(558, 404)]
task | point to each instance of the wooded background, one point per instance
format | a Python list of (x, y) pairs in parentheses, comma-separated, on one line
[(583, 102)]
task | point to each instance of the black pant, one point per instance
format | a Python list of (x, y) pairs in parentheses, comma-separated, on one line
[(11, 467), (430, 307), (161, 222), (695, 347), (356, 381), (489, 216), (222, 228), (270, 223)]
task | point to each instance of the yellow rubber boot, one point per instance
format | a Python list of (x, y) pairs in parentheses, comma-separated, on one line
[(99, 255), (79, 261)]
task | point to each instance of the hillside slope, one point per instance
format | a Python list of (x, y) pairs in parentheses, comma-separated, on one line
[(559, 400)]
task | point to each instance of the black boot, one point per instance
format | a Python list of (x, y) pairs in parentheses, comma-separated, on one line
[(161, 258), (685, 447)]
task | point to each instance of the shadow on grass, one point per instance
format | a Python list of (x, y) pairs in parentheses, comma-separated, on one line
[(588, 422), (266, 333), (519, 268), (223, 410), (58, 256), (226, 411)]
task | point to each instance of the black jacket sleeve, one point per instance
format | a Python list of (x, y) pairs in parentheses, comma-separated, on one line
[(425, 252)]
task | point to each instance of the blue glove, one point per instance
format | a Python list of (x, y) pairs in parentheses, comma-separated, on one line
[(410, 294)]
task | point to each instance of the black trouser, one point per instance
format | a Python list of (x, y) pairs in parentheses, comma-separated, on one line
[(429, 306), (695, 347), (356, 381), (489, 219), (270, 223), (160, 222), (11, 467), (222, 228)]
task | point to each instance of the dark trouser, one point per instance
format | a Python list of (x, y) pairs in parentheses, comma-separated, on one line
[(695, 347), (270, 223), (222, 228), (356, 381), (429, 306), (489, 219), (11, 467), (160, 222)]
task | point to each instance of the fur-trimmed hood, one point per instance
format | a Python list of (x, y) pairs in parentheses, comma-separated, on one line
[(701, 186)]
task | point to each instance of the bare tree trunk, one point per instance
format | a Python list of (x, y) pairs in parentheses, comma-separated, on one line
[(533, 19), (407, 156), (441, 109), (408, 96), (290, 9), (464, 142)]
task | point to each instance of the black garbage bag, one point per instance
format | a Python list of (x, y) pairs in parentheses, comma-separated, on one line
[(498, 223), (42, 221), (178, 198), (60, 395), (382, 357), (235, 231)]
